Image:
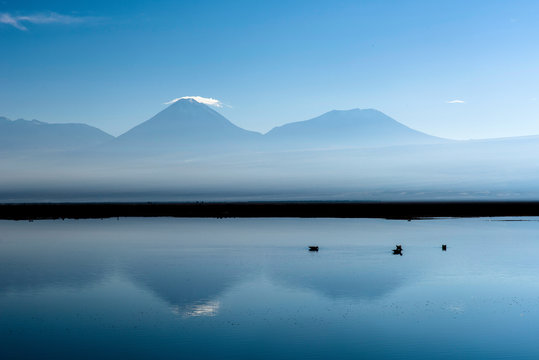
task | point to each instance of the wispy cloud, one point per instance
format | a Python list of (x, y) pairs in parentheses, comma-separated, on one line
[(200, 99), (456, 101), (19, 21)]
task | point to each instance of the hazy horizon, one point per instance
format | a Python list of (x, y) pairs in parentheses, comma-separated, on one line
[(183, 100)]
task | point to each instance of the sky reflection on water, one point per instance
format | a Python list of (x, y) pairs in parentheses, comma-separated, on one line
[(248, 288)]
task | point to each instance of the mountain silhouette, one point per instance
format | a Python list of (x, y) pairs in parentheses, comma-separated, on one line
[(348, 128), (192, 128), (189, 126), (34, 135)]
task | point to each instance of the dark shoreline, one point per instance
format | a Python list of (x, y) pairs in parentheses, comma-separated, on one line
[(384, 210)]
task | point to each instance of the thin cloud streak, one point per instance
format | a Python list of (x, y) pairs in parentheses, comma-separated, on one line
[(456, 102), (18, 21)]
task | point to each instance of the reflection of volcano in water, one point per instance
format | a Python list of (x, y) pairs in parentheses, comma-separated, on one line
[(192, 271), (352, 275), (190, 281)]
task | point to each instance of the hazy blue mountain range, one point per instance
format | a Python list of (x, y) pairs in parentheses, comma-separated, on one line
[(33, 135), (194, 128), (189, 124)]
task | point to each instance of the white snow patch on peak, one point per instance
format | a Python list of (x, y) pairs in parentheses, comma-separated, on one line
[(199, 99)]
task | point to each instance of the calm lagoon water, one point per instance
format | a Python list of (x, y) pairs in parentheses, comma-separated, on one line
[(249, 289)]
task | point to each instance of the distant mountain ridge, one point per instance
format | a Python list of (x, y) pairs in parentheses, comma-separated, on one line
[(34, 135), (349, 128), (190, 127)]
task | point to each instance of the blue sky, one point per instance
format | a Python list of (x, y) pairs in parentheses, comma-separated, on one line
[(113, 64)]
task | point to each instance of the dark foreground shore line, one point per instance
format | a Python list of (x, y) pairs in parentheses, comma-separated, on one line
[(385, 210)]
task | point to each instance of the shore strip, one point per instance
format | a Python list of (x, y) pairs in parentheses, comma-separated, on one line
[(384, 210)]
